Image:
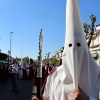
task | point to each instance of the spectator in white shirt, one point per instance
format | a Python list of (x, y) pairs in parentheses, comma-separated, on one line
[(14, 72)]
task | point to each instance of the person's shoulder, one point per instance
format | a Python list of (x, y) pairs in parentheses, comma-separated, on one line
[(52, 71), (56, 70), (59, 68)]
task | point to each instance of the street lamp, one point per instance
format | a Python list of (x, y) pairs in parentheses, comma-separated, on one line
[(10, 45), (8, 56), (21, 55)]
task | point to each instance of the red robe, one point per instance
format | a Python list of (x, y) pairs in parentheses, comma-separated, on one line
[(35, 78), (31, 74), (42, 88), (24, 74), (4, 75), (45, 72), (0, 75), (7, 74)]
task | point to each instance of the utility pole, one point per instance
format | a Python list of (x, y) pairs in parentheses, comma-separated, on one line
[(8, 56), (10, 45)]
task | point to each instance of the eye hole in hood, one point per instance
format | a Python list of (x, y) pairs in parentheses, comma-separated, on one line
[(78, 44), (70, 45)]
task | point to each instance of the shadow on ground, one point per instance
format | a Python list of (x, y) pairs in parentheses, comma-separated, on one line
[(25, 91)]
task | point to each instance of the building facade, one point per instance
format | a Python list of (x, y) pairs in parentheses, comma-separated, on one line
[(95, 45), (58, 54)]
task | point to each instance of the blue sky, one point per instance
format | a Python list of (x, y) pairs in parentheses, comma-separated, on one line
[(25, 18)]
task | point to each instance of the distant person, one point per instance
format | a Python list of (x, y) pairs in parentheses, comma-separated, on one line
[(14, 72)]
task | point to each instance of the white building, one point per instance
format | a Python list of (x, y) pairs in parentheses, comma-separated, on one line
[(59, 53), (95, 45)]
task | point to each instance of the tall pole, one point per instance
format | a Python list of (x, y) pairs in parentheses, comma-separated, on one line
[(48, 56), (39, 68), (21, 55), (10, 45), (8, 56)]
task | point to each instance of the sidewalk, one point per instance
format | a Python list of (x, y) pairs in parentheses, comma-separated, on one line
[(25, 91)]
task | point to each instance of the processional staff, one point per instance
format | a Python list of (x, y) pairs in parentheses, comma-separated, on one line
[(48, 57), (39, 68)]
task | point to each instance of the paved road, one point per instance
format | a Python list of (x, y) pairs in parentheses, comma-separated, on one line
[(25, 87)]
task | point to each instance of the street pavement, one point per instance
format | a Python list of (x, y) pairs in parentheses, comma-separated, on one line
[(25, 91)]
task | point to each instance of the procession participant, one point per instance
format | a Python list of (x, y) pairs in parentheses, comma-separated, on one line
[(35, 76), (78, 66), (27, 69), (20, 72), (24, 72), (43, 71), (14, 72), (0, 74), (7, 72), (54, 66), (46, 71), (4, 74), (31, 74), (49, 68)]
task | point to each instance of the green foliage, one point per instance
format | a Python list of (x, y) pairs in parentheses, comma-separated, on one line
[(89, 28), (25, 60), (3, 56), (54, 61), (57, 54), (93, 18), (19, 59), (35, 61)]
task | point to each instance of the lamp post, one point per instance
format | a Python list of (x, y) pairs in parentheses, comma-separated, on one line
[(21, 55), (8, 56), (10, 45)]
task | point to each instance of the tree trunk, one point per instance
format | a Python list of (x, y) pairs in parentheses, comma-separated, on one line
[(92, 32)]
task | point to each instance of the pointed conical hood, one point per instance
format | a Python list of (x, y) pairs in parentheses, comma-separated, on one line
[(79, 67), (74, 27)]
